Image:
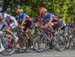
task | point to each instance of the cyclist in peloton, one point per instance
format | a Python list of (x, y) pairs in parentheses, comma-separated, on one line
[(25, 22), (61, 24), (8, 24), (1, 46), (48, 19)]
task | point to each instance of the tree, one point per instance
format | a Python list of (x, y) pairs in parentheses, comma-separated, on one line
[(62, 8)]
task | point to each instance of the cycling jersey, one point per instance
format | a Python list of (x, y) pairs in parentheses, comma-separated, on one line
[(22, 17), (9, 21), (61, 22), (48, 17)]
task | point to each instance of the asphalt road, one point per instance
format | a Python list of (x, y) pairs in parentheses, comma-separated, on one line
[(48, 53)]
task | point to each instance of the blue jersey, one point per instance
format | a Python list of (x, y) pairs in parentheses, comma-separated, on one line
[(47, 17), (22, 17)]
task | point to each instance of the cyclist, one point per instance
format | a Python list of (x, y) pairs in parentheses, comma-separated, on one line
[(1, 46), (61, 24), (25, 22), (73, 25), (9, 23), (48, 19)]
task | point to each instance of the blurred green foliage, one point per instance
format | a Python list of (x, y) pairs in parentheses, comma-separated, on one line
[(64, 9)]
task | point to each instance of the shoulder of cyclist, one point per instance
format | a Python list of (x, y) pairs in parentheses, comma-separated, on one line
[(24, 16), (27, 17), (12, 18)]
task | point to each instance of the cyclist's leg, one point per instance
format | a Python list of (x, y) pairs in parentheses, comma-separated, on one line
[(51, 27), (28, 29), (10, 31), (1, 46)]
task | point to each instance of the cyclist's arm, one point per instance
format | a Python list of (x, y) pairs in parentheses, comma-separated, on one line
[(23, 19), (49, 23), (50, 17), (22, 23), (26, 18)]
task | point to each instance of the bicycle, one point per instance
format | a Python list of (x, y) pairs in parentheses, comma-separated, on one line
[(70, 39), (8, 43)]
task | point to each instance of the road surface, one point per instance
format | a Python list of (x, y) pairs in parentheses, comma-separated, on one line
[(48, 53)]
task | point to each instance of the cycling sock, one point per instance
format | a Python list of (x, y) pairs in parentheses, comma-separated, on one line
[(1, 46)]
